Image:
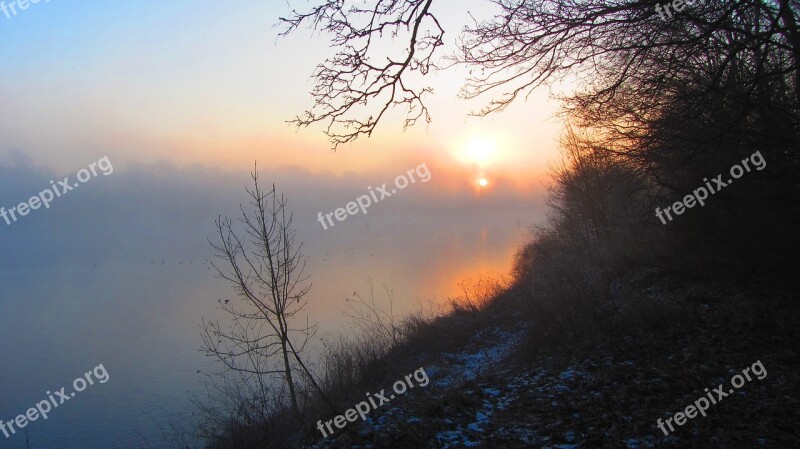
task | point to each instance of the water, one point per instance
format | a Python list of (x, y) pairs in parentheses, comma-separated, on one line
[(120, 276)]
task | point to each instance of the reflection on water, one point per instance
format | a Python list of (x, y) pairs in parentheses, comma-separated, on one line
[(137, 308)]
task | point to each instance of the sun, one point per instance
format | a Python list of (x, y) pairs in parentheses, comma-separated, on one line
[(479, 150), (483, 182)]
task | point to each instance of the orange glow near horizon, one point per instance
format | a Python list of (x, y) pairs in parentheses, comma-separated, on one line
[(378, 158)]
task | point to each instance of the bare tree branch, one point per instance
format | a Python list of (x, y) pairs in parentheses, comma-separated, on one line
[(266, 267), (349, 82)]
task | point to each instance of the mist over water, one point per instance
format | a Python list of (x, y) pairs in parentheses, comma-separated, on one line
[(117, 272)]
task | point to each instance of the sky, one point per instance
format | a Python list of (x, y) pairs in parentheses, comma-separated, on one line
[(182, 97), (211, 84)]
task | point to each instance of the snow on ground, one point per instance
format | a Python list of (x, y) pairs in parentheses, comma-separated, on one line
[(494, 400), (467, 365), (485, 354)]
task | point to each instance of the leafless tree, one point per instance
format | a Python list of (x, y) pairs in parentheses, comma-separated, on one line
[(359, 75), (626, 62), (265, 265)]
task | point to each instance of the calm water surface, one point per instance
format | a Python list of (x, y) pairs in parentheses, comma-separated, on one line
[(129, 292)]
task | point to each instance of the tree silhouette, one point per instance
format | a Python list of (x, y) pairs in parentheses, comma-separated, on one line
[(349, 82), (625, 59), (265, 265)]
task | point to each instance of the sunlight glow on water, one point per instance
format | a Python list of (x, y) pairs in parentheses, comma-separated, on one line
[(140, 319)]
